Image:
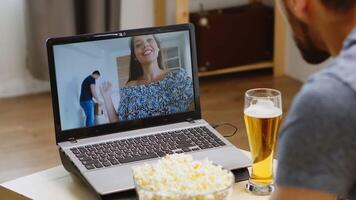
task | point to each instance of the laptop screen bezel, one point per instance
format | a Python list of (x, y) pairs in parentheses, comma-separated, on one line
[(85, 132)]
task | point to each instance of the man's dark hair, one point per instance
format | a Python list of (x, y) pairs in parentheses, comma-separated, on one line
[(96, 72), (339, 5)]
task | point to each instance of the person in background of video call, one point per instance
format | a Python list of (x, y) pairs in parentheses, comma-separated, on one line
[(87, 93), (150, 90)]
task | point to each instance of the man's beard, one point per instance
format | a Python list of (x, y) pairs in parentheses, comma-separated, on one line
[(310, 52), (305, 43)]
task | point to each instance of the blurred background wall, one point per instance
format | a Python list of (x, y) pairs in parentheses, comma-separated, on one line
[(16, 79), (14, 76)]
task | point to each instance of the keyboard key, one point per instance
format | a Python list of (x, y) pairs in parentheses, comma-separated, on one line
[(209, 145), (84, 158), (119, 157), (161, 153), (75, 150), (96, 161), (87, 162), (106, 164), (89, 167), (114, 162), (215, 144), (98, 165), (185, 144), (83, 150), (204, 146), (133, 159), (195, 149), (103, 159), (168, 152)]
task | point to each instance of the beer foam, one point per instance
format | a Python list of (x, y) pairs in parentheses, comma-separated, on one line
[(263, 109)]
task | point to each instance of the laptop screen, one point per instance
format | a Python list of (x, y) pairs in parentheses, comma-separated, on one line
[(122, 79)]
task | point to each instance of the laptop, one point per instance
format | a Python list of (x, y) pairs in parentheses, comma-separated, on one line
[(124, 98)]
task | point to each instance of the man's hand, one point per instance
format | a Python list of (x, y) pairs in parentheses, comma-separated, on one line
[(283, 193)]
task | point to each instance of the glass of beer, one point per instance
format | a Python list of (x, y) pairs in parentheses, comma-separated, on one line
[(263, 115)]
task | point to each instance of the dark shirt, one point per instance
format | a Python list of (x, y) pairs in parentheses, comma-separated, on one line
[(85, 93), (318, 139)]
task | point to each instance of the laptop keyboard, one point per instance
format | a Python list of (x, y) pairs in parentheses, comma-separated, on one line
[(118, 152)]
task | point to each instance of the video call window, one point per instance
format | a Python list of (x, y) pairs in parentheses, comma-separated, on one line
[(107, 81)]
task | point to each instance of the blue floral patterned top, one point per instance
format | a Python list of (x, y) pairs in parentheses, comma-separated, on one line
[(173, 94)]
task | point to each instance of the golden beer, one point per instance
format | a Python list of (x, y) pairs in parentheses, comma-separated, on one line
[(262, 136), (263, 115)]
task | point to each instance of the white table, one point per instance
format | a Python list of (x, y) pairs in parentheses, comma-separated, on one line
[(57, 183)]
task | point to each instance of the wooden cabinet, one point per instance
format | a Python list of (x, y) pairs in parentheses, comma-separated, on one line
[(278, 60)]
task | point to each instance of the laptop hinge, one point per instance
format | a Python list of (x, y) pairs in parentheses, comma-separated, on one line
[(72, 140), (190, 120)]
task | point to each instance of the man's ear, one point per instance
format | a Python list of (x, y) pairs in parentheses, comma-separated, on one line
[(300, 9)]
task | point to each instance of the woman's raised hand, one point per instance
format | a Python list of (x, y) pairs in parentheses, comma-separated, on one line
[(106, 89)]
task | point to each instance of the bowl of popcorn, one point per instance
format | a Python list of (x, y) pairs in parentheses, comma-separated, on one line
[(178, 176)]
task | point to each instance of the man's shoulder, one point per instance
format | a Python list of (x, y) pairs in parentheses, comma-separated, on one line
[(326, 92), (89, 79), (342, 69), (339, 75), (323, 99), (318, 121)]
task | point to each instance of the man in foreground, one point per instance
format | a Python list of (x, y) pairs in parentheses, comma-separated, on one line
[(317, 144)]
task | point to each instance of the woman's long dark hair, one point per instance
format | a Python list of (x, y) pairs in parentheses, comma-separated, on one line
[(135, 66)]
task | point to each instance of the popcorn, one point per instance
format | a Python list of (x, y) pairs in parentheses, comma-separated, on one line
[(178, 176)]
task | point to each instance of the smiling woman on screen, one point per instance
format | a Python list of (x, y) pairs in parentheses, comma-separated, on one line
[(151, 90)]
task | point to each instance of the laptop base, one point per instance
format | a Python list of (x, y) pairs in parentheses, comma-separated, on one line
[(241, 174)]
